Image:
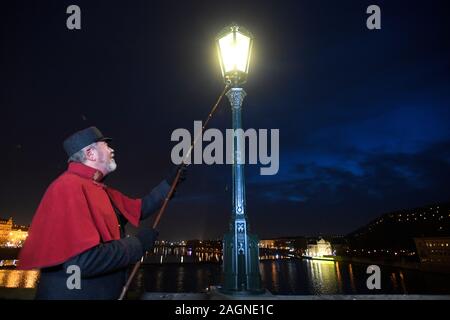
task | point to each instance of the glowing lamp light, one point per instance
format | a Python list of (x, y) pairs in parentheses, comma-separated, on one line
[(234, 45)]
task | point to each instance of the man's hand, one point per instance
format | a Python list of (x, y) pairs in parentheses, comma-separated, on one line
[(147, 237)]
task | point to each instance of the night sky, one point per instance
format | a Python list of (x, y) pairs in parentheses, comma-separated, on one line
[(364, 116)]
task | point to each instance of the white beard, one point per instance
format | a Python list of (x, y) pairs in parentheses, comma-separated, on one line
[(112, 165)]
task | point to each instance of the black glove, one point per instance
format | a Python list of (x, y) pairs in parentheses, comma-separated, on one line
[(147, 237), (173, 174)]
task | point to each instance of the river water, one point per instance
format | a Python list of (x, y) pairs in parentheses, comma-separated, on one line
[(280, 276), (294, 276)]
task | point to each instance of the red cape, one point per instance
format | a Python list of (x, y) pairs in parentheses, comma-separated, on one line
[(75, 215)]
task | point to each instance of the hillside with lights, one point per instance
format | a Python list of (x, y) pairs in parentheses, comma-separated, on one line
[(395, 232)]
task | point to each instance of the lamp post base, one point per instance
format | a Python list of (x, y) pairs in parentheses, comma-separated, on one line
[(241, 265)]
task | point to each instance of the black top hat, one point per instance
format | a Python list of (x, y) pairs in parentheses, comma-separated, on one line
[(83, 138)]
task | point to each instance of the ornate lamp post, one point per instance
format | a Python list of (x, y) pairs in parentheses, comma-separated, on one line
[(240, 249)]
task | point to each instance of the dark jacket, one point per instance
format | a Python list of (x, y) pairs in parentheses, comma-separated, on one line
[(103, 267)]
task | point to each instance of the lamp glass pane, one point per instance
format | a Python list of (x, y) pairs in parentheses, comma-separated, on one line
[(234, 53)]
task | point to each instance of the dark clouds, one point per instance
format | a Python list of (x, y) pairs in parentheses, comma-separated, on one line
[(383, 182)]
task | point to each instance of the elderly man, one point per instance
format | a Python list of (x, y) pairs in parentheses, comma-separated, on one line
[(78, 229)]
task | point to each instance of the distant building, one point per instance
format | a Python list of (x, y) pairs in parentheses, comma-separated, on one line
[(319, 249), (267, 244), (291, 245), (12, 235), (434, 250), (5, 228), (204, 244)]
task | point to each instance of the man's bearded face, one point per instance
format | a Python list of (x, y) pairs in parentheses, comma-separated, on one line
[(106, 157)]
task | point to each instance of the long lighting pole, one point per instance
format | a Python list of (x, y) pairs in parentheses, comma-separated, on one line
[(240, 248)]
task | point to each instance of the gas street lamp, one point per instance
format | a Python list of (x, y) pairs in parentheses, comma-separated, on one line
[(234, 46), (240, 248)]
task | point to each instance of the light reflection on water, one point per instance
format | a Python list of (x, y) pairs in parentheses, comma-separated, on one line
[(323, 277), (296, 277), (283, 276), (18, 278), (182, 255)]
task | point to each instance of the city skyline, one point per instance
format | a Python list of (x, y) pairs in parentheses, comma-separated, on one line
[(363, 114), (406, 211)]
